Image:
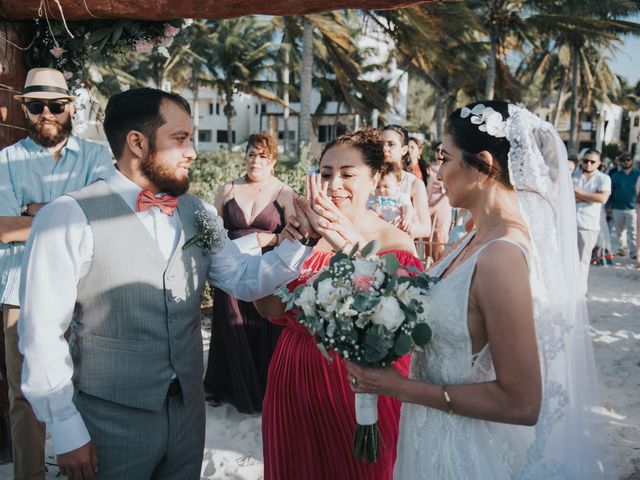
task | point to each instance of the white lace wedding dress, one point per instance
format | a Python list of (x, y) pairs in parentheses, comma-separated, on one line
[(569, 441), (437, 445)]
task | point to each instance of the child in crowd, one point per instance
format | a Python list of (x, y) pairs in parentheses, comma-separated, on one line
[(388, 202)]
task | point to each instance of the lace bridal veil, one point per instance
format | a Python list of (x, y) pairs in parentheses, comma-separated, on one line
[(570, 436)]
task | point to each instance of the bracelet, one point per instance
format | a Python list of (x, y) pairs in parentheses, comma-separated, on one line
[(309, 241), (277, 239), (447, 399)]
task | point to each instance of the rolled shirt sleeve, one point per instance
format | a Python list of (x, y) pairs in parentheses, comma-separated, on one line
[(250, 277), (9, 254), (48, 287), (237, 271)]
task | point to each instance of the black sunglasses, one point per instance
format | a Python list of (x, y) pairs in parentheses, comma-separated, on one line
[(626, 159), (589, 161), (36, 107)]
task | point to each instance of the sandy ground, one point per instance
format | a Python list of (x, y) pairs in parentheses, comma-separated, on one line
[(233, 448)]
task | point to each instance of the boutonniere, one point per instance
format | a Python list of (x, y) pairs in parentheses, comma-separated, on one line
[(209, 235)]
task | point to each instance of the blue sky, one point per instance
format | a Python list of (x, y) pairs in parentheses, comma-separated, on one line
[(627, 62)]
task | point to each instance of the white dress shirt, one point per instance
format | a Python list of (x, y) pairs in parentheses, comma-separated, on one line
[(58, 255)]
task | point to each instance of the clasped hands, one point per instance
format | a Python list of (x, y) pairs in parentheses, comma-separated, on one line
[(317, 216)]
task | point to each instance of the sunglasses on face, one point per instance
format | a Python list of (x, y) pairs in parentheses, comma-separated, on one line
[(589, 161), (36, 107), (625, 160)]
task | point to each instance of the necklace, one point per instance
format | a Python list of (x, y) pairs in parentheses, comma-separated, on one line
[(257, 186)]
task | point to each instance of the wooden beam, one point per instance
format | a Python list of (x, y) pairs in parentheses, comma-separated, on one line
[(12, 75), (168, 9)]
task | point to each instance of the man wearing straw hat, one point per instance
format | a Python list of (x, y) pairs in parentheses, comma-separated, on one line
[(34, 171)]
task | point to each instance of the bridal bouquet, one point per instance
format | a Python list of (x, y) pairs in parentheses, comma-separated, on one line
[(370, 310)]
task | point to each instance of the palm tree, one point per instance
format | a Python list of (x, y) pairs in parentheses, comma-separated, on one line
[(239, 57), (507, 29), (585, 27), (188, 67), (438, 42), (306, 83), (326, 47)]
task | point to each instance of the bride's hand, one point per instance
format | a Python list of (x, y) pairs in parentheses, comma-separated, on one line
[(383, 381)]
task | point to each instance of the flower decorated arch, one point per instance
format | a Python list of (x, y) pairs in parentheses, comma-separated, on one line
[(140, 25)]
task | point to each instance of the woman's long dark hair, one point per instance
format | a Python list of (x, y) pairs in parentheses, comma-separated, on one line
[(404, 134), (471, 140), (422, 163)]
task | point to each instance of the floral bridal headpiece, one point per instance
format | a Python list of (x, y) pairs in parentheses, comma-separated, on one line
[(487, 119)]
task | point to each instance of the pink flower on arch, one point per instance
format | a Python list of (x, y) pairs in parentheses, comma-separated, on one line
[(170, 30), (57, 52), (143, 45), (362, 283)]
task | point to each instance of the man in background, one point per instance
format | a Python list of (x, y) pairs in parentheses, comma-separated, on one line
[(33, 171), (592, 189), (624, 199)]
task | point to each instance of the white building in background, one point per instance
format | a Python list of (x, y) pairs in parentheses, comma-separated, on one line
[(634, 133), (601, 127), (253, 115), (607, 123)]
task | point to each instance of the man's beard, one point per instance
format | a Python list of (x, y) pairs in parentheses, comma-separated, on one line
[(162, 176), (43, 135)]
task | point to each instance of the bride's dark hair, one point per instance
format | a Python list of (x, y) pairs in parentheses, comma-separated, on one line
[(471, 140), (367, 142)]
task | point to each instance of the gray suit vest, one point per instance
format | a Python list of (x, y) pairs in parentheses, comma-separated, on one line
[(137, 317)]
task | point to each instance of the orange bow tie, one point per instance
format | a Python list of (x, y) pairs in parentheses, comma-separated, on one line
[(146, 199)]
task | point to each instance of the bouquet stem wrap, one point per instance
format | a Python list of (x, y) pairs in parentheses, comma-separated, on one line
[(366, 440)]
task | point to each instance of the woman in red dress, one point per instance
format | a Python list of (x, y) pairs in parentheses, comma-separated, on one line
[(308, 418)]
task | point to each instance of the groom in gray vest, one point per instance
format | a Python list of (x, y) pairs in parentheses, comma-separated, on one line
[(123, 262)]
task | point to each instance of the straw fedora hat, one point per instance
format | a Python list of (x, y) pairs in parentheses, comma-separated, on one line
[(45, 83)]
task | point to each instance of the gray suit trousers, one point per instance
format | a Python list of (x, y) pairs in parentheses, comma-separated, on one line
[(135, 444)]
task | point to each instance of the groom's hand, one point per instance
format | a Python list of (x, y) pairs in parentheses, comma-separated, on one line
[(79, 464)]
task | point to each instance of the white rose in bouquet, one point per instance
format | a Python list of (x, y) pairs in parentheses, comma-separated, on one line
[(388, 313), (307, 301), (403, 293), (364, 268), (327, 295)]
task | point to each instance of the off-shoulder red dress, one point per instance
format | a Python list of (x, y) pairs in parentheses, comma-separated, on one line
[(308, 415)]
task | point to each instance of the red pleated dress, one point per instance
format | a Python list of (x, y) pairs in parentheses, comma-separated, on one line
[(308, 414)]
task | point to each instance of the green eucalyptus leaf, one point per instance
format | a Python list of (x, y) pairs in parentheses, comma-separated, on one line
[(377, 343), (99, 35), (391, 264), (338, 257), (402, 345), (370, 248), (117, 33), (421, 334), (390, 285)]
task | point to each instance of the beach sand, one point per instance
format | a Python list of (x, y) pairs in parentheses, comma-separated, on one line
[(233, 447)]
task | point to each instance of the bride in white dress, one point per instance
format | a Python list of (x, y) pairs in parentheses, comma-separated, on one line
[(505, 389)]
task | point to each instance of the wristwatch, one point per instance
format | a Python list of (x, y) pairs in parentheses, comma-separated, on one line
[(309, 241)]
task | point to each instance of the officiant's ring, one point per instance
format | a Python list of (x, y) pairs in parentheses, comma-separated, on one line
[(354, 382)]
